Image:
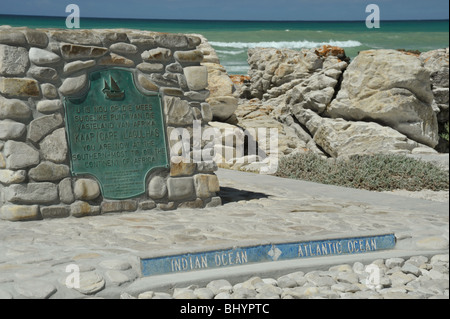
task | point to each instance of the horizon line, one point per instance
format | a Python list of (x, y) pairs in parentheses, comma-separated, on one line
[(216, 20)]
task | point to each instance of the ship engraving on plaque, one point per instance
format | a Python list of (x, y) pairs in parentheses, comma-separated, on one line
[(116, 133), (113, 92)]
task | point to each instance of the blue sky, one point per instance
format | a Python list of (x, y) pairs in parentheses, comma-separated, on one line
[(234, 9)]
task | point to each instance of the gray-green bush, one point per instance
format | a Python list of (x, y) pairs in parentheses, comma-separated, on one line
[(371, 172)]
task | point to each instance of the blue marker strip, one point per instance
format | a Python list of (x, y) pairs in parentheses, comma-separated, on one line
[(265, 253)]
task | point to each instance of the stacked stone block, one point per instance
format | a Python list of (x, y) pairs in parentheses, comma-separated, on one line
[(39, 67)]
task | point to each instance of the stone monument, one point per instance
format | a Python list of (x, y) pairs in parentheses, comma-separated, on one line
[(87, 120)]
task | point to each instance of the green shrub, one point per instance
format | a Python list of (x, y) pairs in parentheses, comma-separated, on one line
[(371, 172)]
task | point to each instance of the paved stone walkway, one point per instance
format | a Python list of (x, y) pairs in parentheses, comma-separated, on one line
[(36, 257)]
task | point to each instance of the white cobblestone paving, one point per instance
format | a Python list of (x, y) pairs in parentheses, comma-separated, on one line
[(34, 255)]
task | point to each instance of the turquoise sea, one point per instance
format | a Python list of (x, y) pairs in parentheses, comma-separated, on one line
[(231, 39)]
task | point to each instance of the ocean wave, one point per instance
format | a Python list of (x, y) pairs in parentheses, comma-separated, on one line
[(285, 44), (231, 52), (238, 69)]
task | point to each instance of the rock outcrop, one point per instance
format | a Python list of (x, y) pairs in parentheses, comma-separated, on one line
[(338, 137), (384, 101), (273, 71), (437, 63), (390, 88)]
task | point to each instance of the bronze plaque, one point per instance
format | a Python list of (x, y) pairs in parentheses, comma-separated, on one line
[(116, 133)]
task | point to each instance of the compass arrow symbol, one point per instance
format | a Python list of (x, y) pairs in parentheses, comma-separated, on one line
[(274, 253)]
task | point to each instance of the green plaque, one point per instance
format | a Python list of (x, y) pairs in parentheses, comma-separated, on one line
[(116, 133)]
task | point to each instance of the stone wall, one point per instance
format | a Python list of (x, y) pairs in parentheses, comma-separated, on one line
[(38, 68)]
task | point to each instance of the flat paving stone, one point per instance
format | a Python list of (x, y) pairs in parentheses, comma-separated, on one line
[(257, 208)]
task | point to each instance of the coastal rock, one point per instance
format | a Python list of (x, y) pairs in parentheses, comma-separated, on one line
[(180, 168), (55, 212), (437, 63), (157, 187), (206, 111), (77, 66), (109, 36), (147, 83), (49, 172), (20, 155), (218, 286), (174, 68), (222, 107), (142, 41), (338, 137), (36, 38), (73, 84), (8, 177), (49, 91), (219, 82), (90, 282), (123, 48), (13, 60), (19, 212), (188, 56), (65, 191), (119, 206), (173, 41), (178, 112), (86, 189), (79, 36), (44, 74), (157, 55), (49, 106), (329, 50), (297, 93), (206, 185), (54, 146), (116, 60), (180, 188), (196, 77), (11, 130), (199, 96), (74, 52), (274, 67), (44, 125), (14, 109), (12, 37), (150, 67), (43, 57), (292, 137), (221, 89), (390, 88), (168, 80), (83, 209), (316, 92), (19, 87), (32, 193)]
